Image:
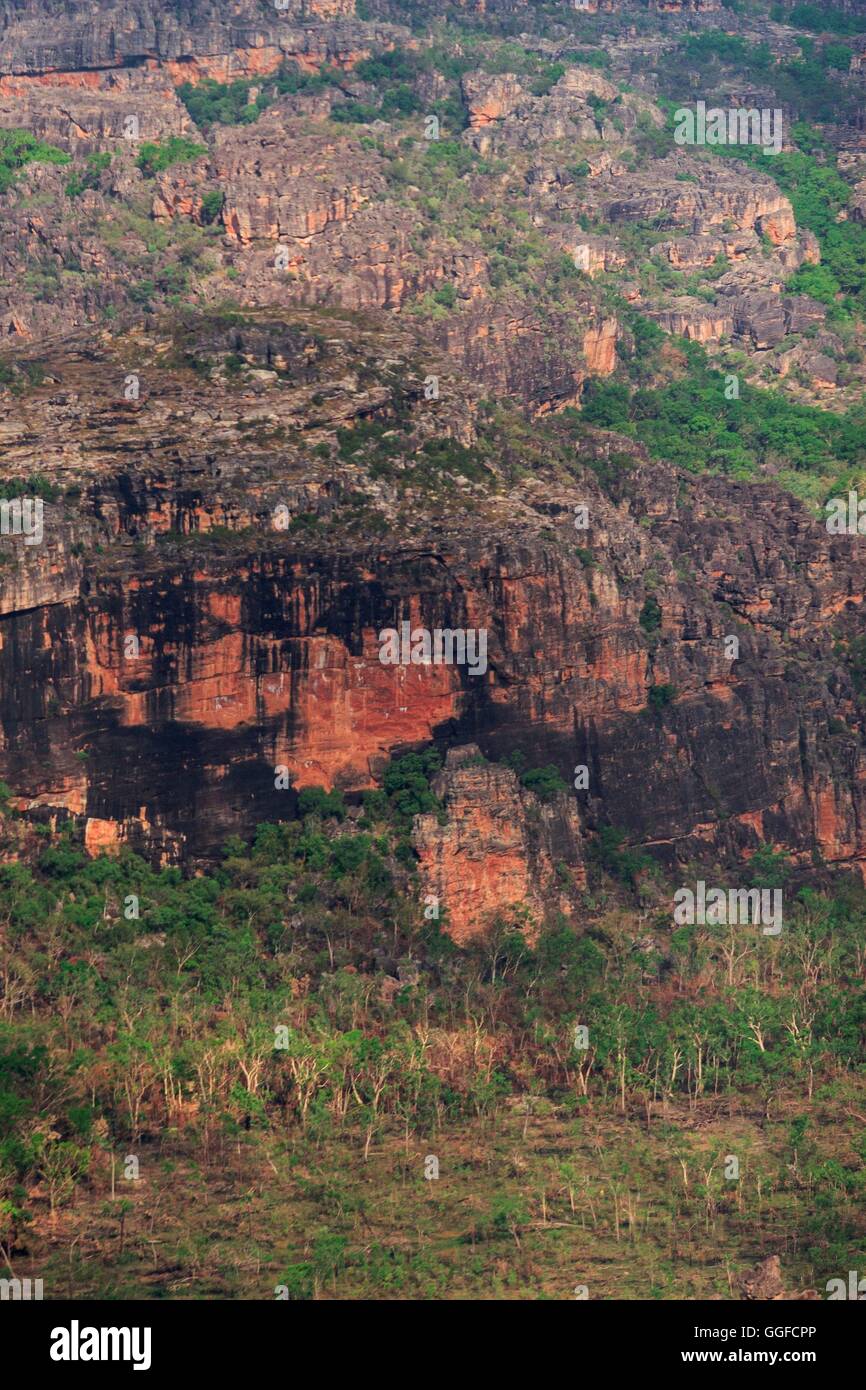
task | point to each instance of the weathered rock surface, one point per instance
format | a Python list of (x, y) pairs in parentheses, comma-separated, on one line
[(168, 647), (258, 647), (499, 846), (309, 211), (765, 1283), (94, 36)]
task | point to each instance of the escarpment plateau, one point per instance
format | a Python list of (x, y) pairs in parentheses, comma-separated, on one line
[(538, 199)]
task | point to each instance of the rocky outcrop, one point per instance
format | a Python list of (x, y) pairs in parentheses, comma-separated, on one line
[(748, 200), (807, 361), (765, 1283), (685, 6), (275, 190), (581, 106), (692, 253), (134, 31), (757, 321), (512, 352), (82, 120), (174, 665), (497, 847), (488, 99), (700, 323), (594, 255), (302, 209)]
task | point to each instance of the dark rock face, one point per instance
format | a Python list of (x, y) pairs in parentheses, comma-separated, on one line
[(91, 36)]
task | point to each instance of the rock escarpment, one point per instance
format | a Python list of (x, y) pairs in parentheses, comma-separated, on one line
[(93, 37), (498, 846), (177, 638), (307, 204), (238, 501)]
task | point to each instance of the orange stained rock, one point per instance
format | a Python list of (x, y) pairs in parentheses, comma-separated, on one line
[(599, 348), (350, 711), (779, 226), (494, 852), (830, 829), (754, 820), (101, 836), (19, 85)]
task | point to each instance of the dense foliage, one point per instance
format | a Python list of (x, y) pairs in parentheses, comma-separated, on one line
[(19, 147), (155, 158), (702, 65), (299, 987), (692, 422), (821, 19), (243, 101), (383, 87)]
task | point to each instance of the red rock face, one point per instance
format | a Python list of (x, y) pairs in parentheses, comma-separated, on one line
[(248, 664), (498, 849), (599, 348), (491, 98), (14, 85), (349, 711)]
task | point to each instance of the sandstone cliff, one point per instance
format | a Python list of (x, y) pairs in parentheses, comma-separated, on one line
[(170, 646), (256, 643)]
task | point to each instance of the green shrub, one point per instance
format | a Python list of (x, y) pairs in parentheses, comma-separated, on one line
[(660, 696), (820, 19), (545, 782), (623, 864), (212, 206), (19, 147), (316, 801), (407, 783), (692, 424), (768, 868), (155, 158), (95, 165), (651, 615), (348, 854)]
